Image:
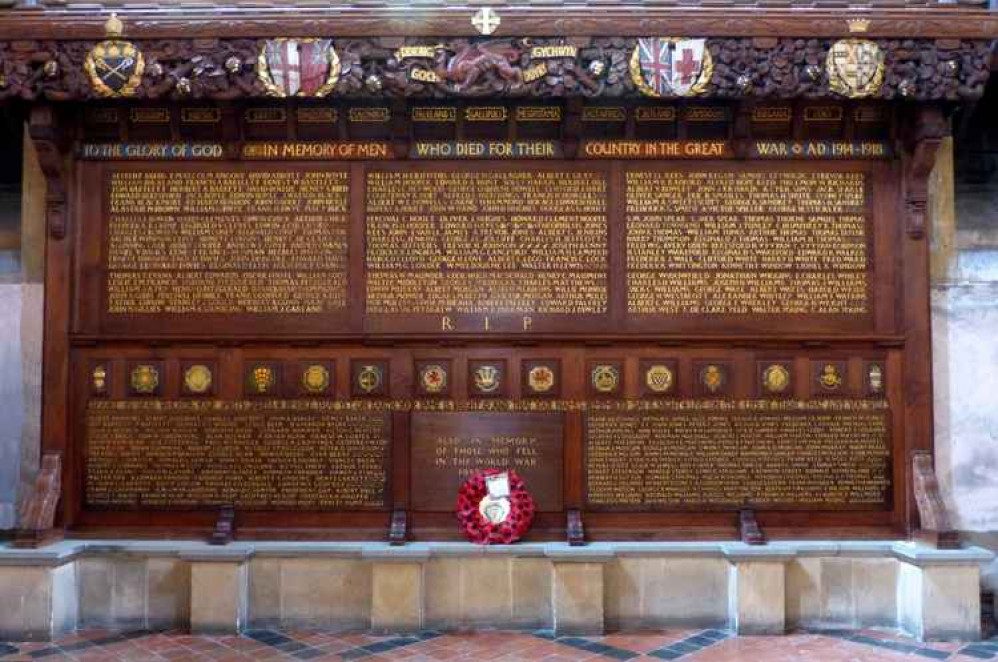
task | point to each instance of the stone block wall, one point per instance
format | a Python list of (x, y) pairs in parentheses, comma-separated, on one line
[(604, 587)]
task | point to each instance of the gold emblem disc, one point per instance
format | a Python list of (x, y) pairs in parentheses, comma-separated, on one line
[(541, 379), (830, 378), (99, 379), (315, 379), (712, 378), (487, 378), (776, 378), (369, 378), (145, 379), (659, 378), (197, 379), (263, 378), (433, 378), (605, 378)]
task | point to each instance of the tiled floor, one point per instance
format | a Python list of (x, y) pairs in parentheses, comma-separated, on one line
[(685, 645)]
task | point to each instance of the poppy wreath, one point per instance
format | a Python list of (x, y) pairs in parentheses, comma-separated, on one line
[(479, 530)]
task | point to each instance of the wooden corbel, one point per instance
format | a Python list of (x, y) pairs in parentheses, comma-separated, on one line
[(225, 526), (576, 531), (748, 528), (935, 528), (36, 513), (926, 132), (397, 530), (50, 145)]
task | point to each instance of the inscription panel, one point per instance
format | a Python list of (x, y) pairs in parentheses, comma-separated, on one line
[(815, 459), (486, 242), (747, 243), (249, 455), (448, 447), (226, 242)]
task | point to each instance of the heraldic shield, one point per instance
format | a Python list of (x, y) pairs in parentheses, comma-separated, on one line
[(298, 67), (666, 66), (855, 68), (114, 68)]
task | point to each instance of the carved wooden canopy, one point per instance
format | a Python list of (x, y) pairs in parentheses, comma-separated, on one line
[(762, 49)]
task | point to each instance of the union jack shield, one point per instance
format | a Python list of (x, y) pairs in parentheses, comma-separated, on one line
[(299, 67), (663, 66)]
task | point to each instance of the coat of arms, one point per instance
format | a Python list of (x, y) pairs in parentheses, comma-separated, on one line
[(114, 66), (433, 378), (665, 66), (855, 68), (298, 67)]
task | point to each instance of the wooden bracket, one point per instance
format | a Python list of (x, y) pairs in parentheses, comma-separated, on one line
[(225, 526), (575, 530), (397, 532), (749, 529), (43, 127), (928, 128), (37, 510), (935, 529)]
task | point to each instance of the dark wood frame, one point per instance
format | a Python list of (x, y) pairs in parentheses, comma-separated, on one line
[(898, 338)]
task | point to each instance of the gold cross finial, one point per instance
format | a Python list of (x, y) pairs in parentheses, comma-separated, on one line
[(485, 21)]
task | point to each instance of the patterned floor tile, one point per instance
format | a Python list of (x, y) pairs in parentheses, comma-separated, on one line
[(699, 645)]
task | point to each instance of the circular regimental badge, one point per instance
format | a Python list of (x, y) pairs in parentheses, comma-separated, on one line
[(541, 379), (775, 378), (433, 378), (262, 378), (495, 511), (487, 378), (605, 378), (315, 378), (830, 378), (197, 379), (659, 378), (145, 379), (369, 378), (712, 378)]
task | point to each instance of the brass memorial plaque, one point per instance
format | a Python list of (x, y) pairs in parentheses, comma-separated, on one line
[(747, 243), (231, 242), (722, 457), (267, 455), (482, 242)]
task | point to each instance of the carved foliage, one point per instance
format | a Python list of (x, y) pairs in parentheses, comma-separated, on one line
[(178, 69)]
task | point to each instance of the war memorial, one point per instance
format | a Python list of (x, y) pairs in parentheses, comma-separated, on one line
[(617, 314)]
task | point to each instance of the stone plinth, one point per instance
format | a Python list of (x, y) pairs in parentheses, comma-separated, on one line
[(121, 585)]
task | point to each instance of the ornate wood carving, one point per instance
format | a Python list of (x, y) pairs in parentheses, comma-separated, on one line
[(459, 67), (927, 131), (44, 131), (37, 511), (748, 528), (936, 528)]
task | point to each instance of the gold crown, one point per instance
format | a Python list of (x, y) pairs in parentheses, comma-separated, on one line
[(113, 27), (859, 24)]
